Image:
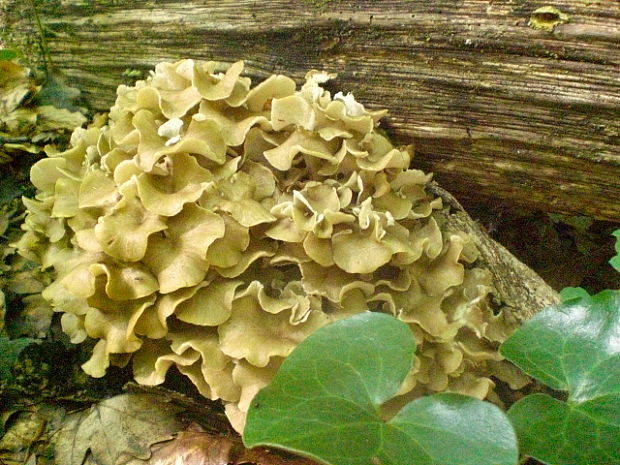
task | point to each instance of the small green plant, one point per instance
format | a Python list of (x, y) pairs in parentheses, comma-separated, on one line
[(573, 347), (7, 54), (324, 403), (615, 260)]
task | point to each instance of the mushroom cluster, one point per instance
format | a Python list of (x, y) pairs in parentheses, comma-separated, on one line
[(213, 226)]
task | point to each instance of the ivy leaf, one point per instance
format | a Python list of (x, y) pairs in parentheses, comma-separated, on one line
[(324, 403), (574, 347), (615, 260), (573, 293)]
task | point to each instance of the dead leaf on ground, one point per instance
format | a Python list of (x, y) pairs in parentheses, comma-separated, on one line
[(116, 430), (25, 438), (192, 447), (195, 446), (16, 84), (15, 445), (260, 456), (53, 119)]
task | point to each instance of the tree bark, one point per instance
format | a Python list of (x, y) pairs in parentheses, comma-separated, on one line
[(517, 288), (499, 111)]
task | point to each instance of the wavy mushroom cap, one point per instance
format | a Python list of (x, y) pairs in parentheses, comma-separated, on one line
[(213, 226)]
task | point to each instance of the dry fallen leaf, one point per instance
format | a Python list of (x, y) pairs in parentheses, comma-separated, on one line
[(26, 434), (195, 446), (116, 430), (16, 444), (260, 456), (16, 84)]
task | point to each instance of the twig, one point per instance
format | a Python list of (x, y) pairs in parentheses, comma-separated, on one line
[(14, 140), (47, 60)]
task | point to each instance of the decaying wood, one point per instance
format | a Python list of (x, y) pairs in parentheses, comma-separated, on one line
[(499, 111), (516, 285)]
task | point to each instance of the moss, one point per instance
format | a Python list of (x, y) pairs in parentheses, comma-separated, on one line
[(50, 370), (19, 31)]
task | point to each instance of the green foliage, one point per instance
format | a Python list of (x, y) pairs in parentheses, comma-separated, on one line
[(615, 260), (571, 347), (7, 54), (573, 293), (133, 73), (9, 353), (325, 400)]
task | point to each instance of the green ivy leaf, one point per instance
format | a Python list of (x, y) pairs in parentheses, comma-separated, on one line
[(324, 403), (573, 293), (615, 260), (574, 347)]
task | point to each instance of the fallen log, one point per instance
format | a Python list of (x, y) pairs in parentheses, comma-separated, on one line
[(498, 110)]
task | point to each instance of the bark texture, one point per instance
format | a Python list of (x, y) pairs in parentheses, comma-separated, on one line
[(516, 285), (499, 111)]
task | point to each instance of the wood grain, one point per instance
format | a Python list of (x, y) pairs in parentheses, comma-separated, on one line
[(499, 111), (517, 289)]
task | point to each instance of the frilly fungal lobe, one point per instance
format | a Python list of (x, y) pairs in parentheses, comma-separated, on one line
[(213, 225)]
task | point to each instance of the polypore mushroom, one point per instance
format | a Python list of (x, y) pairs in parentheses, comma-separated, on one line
[(213, 226)]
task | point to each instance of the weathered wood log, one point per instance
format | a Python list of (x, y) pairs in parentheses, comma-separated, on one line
[(498, 110), (516, 286)]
